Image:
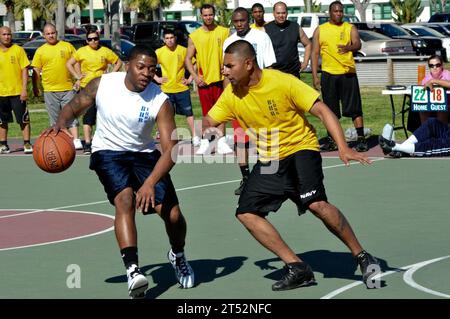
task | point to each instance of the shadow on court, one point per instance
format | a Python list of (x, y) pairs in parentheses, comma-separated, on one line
[(330, 264), (206, 270)]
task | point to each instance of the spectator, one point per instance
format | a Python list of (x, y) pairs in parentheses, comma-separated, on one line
[(285, 36), (206, 45), (13, 90), (265, 56), (258, 17), (437, 76), (274, 104), (336, 41), (173, 82), (49, 61), (94, 60)]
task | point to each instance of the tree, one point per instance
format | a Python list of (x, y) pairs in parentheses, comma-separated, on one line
[(406, 10), (150, 8), (315, 7), (9, 4), (361, 6), (438, 5)]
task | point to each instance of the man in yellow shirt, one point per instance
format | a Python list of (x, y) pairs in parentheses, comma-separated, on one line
[(13, 90), (258, 17), (94, 60), (206, 45), (173, 82), (49, 61), (336, 41), (271, 106)]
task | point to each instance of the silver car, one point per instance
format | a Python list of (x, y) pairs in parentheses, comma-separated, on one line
[(375, 44)]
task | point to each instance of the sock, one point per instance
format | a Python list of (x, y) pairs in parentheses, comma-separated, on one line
[(129, 256), (412, 139), (388, 132), (3, 142), (26, 141), (360, 131), (245, 171), (405, 147)]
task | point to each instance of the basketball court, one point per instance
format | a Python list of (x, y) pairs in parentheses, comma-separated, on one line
[(57, 239)]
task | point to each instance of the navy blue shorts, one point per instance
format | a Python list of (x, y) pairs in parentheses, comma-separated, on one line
[(181, 102), (298, 177), (118, 170)]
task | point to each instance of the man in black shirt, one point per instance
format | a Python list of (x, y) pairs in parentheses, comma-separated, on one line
[(285, 36)]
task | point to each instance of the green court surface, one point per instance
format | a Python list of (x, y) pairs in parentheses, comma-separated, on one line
[(398, 208)]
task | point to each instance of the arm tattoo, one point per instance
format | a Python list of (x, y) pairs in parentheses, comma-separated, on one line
[(85, 98)]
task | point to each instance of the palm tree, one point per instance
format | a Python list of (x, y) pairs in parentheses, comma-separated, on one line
[(406, 10), (149, 7)]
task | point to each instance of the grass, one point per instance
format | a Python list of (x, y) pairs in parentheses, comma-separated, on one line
[(376, 108)]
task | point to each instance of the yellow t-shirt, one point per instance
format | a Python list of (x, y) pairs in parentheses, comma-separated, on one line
[(254, 26), (330, 35), (94, 62), (209, 47), (276, 104), (51, 59), (172, 67), (12, 62)]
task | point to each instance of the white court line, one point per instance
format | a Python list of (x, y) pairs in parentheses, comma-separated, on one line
[(67, 239), (408, 277), (336, 292)]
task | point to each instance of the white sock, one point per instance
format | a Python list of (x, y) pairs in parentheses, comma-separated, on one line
[(405, 147), (412, 139), (388, 132)]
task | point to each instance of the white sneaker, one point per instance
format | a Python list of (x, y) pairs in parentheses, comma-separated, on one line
[(137, 283), (183, 271), (204, 147), (223, 147), (77, 144), (196, 141), (388, 132)]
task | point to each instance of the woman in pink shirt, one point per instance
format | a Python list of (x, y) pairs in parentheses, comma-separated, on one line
[(437, 76)]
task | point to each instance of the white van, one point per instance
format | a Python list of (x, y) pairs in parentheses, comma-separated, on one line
[(309, 21)]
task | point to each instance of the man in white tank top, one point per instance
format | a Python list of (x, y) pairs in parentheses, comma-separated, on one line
[(134, 174)]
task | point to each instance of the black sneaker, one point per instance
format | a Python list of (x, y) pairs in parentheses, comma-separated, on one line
[(328, 145), (369, 266), (87, 149), (297, 275), (362, 145), (239, 190), (385, 144)]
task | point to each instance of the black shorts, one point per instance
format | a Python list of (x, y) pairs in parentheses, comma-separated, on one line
[(299, 177), (9, 104), (118, 170), (342, 88)]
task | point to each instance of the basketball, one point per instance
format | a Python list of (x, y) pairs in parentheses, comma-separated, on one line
[(54, 154)]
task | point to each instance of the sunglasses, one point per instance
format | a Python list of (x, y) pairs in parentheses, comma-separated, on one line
[(437, 65), (93, 39)]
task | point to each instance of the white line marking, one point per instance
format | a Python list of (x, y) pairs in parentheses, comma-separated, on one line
[(336, 292), (67, 239), (408, 277)]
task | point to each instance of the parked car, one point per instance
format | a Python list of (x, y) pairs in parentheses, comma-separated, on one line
[(125, 48), (31, 47), (441, 27), (376, 44), (421, 45), (440, 17), (151, 33), (309, 21), (424, 31), (21, 37)]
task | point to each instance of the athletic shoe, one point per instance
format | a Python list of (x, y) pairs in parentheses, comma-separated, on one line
[(77, 144), (385, 144), (183, 271), (27, 148), (87, 149), (297, 275), (223, 147), (362, 145), (196, 141), (137, 283), (328, 145), (369, 265), (239, 190), (204, 147), (4, 149)]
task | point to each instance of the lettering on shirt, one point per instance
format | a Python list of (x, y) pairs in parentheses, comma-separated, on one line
[(144, 114), (272, 107)]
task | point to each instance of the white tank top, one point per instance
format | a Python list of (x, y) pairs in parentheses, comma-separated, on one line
[(125, 119)]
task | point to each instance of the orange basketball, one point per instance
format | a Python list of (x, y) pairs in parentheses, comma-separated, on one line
[(54, 154)]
